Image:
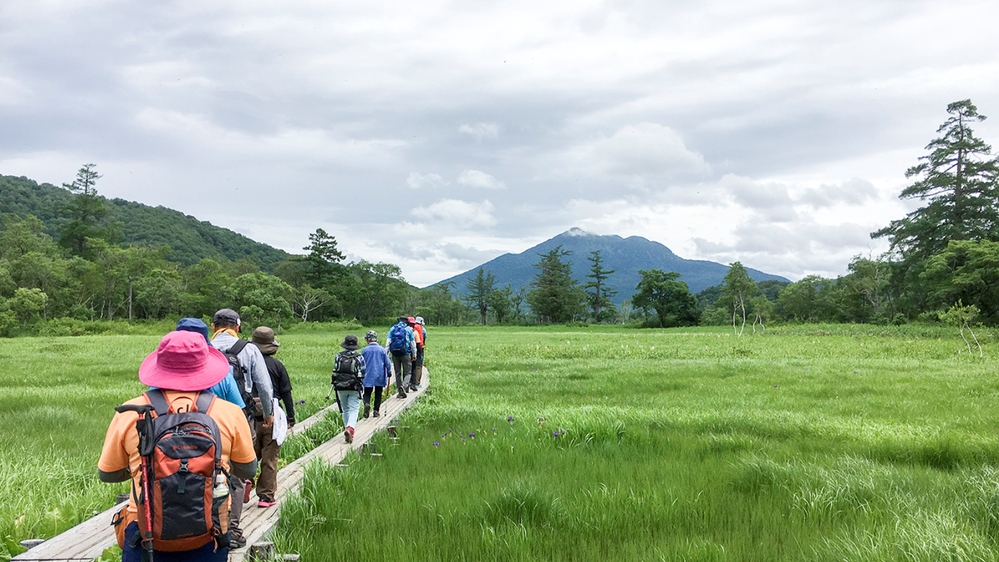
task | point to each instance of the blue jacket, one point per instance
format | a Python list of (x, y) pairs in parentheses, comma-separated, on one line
[(377, 363), (228, 390)]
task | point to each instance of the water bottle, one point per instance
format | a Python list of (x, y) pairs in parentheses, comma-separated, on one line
[(221, 489)]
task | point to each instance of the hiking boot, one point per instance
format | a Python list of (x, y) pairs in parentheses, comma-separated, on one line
[(376, 414), (402, 394), (367, 410), (266, 502), (247, 488), (236, 539), (348, 435)]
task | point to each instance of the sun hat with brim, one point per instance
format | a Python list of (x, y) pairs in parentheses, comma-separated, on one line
[(263, 337), (350, 342), (371, 335), (183, 361)]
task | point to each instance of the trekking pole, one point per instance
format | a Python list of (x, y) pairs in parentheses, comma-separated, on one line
[(144, 427), (330, 393)]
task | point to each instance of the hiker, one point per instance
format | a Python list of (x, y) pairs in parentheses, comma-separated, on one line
[(377, 368), (417, 344), (181, 367), (226, 389), (401, 344), (256, 391), (348, 381), (266, 443), (420, 335)]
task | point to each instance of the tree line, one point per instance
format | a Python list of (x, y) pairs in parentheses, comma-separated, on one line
[(943, 264)]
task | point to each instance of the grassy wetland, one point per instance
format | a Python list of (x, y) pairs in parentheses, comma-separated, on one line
[(806, 443)]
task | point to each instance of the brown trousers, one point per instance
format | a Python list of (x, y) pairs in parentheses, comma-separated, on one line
[(267, 450)]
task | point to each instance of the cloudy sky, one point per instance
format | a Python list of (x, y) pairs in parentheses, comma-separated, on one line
[(437, 135)]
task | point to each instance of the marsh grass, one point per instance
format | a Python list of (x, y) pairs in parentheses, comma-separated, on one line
[(808, 443), (58, 395)]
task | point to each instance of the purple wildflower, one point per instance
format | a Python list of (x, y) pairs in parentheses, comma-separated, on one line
[(437, 443), (555, 433), (471, 435), (509, 419)]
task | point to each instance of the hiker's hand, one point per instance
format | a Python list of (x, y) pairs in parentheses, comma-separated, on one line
[(268, 421)]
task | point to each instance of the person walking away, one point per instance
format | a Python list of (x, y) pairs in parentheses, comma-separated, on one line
[(418, 328), (401, 344), (348, 381), (227, 388), (417, 344), (377, 367), (250, 372), (264, 443), (182, 366)]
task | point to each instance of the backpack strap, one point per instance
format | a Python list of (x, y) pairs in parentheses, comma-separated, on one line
[(157, 400), (237, 347), (204, 402)]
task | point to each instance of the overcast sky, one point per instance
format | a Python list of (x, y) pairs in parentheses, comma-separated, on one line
[(438, 135)]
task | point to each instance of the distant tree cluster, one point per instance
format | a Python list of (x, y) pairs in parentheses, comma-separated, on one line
[(943, 265)]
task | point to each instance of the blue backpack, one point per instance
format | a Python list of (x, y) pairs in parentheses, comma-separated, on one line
[(397, 339)]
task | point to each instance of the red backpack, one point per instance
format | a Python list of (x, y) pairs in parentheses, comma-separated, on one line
[(182, 458)]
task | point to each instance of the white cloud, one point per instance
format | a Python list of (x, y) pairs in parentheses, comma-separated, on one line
[(479, 180), (724, 130), (454, 212), (480, 131), (417, 180)]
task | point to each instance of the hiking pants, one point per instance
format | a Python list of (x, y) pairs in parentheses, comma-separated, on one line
[(378, 397), (418, 367), (350, 402), (403, 367), (267, 450), (236, 487)]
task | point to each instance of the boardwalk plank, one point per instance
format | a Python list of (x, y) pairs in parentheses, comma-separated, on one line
[(90, 538)]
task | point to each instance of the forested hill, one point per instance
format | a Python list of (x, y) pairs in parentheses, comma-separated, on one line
[(191, 240), (626, 256)]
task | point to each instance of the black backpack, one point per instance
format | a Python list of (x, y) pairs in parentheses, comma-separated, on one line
[(347, 371), (239, 373)]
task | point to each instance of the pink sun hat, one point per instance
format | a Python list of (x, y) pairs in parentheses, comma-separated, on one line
[(183, 361)]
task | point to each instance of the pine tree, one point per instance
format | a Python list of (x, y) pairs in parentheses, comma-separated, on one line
[(556, 297), (958, 179), (599, 299)]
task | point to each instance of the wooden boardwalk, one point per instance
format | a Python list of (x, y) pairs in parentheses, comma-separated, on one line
[(89, 539)]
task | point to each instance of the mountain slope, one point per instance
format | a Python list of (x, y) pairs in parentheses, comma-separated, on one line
[(626, 256), (191, 240)]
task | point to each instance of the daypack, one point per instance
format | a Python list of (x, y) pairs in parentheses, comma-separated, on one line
[(397, 340), (184, 453), (239, 373), (347, 371)]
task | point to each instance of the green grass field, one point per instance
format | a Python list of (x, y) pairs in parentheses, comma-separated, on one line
[(807, 443)]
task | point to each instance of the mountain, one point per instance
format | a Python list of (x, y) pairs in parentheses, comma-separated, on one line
[(191, 240), (626, 256)]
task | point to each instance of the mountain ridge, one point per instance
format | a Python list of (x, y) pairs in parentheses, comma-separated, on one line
[(190, 239), (626, 256)]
